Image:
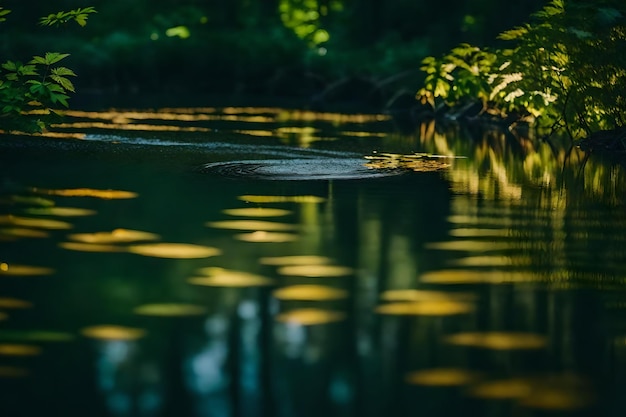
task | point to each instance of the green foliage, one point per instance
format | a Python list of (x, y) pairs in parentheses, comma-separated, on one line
[(78, 15), (32, 93), (565, 69)]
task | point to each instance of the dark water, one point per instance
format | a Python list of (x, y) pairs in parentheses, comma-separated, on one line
[(265, 262)]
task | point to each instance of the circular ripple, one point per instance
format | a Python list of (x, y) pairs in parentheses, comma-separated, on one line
[(298, 169)]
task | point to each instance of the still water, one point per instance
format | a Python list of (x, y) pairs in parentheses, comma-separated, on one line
[(263, 262)]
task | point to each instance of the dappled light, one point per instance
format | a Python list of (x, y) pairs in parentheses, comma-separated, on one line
[(262, 236), (282, 199), (114, 236), (257, 212), (442, 377), (170, 310), (498, 340), (47, 224), (310, 293), (222, 277), (12, 269), (316, 270), (251, 225), (174, 250), (85, 192), (295, 260), (426, 308), (310, 317), (13, 349), (113, 332), (303, 208), (60, 211)]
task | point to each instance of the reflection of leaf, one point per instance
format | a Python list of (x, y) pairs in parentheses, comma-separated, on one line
[(414, 162)]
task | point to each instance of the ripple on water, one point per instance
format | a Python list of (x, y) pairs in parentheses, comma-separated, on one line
[(298, 169)]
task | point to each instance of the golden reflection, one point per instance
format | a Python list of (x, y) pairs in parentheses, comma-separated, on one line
[(555, 398), (13, 372), (19, 232), (170, 310), (86, 192), (414, 162), (470, 245), (442, 377), (426, 308), (3, 316), (113, 332), (309, 293), (257, 212), (23, 270), (48, 134), (122, 117), (492, 261), (507, 389), (37, 223), (174, 250), (310, 316), (550, 393), (91, 247), (114, 236), (464, 276), (252, 225), (295, 260), (339, 118), (60, 211), (14, 349), (221, 277), (424, 295), (315, 270), (301, 130), (10, 303), (498, 340), (467, 232), (282, 199), (255, 132), (267, 237)]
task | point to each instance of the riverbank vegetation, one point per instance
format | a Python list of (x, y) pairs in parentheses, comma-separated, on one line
[(562, 71), (565, 70)]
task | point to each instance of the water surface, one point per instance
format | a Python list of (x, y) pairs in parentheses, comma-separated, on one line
[(272, 262)]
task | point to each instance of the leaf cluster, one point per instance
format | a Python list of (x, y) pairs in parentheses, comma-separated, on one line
[(32, 93), (79, 15), (566, 69)]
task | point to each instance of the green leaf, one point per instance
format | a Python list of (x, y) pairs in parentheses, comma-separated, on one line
[(54, 57), (3, 12), (63, 82), (38, 60), (10, 66), (27, 70), (61, 98), (63, 71)]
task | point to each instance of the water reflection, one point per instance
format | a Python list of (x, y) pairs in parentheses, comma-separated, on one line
[(487, 285)]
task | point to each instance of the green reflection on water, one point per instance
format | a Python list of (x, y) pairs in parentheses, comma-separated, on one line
[(514, 243)]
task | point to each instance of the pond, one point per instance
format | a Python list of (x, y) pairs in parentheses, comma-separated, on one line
[(251, 261)]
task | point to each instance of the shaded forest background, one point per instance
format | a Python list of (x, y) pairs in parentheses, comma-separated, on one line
[(365, 50)]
